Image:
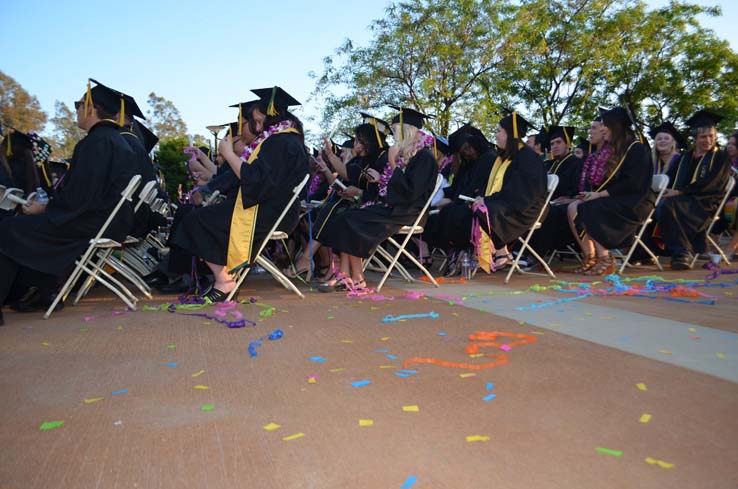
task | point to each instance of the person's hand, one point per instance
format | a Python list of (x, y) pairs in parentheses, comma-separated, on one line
[(671, 192), (33, 208), (479, 201), (587, 196), (562, 201), (225, 147), (372, 175), (351, 192), (327, 146)]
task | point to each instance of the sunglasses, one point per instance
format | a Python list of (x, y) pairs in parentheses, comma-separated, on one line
[(78, 104)]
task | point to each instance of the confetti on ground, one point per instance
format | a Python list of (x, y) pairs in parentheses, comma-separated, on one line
[(442, 334), (118, 423), (387, 366), (361, 383), (334, 370), (384, 339), (489, 397), (172, 364), (472, 438), (272, 426), (537, 332), (476, 355), (466, 375), (117, 393), (411, 409), (120, 328), (207, 407), (645, 418), (84, 330), (312, 379), (293, 437), (392, 357), (607, 451), (347, 341), (317, 359), (660, 463), (400, 374), (642, 387), (331, 317), (366, 422), (490, 386), (665, 352), (381, 351), (720, 355), (199, 373), (202, 387), (389, 318), (409, 482), (692, 330), (89, 318), (505, 347), (170, 347), (93, 399), (50, 425), (45, 343)]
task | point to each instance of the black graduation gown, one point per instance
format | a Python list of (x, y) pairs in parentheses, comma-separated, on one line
[(612, 221), (684, 217), (6, 181), (225, 181), (451, 226), (568, 169), (357, 231), (102, 166), (514, 209), (145, 168), (267, 181)]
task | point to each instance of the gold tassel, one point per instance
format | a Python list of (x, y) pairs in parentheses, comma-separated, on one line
[(43, 171), (88, 98), (515, 125), (568, 139), (9, 149), (271, 110), (401, 124), (376, 132), (435, 146), (240, 119), (122, 119)]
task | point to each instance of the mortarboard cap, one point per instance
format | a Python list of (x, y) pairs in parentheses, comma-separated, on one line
[(234, 129), (463, 134), (704, 118), (616, 114), (409, 116), (515, 123), (275, 99), (148, 138), (543, 139), (349, 143), (113, 101), (442, 145), (668, 128), (585, 145), (244, 107), (381, 125), (564, 132)]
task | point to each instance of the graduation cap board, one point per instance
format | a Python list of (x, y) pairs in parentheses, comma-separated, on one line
[(410, 116), (564, 132), (668, 128), (113, 101), (619, 114), (148, 138), (275, 99), (704, 118), (515, 123)]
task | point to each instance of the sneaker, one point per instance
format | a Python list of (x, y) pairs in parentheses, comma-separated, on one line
[(680, 262)]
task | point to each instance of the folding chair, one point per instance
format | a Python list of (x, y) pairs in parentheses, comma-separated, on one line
[(715, 218), (242, 270), (408, 231), (658, 185), (10, 198), (85, 264), (551, 183)]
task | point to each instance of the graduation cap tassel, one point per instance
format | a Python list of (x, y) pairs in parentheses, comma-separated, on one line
[(435, 146), (240, 119), (9, 149), (88, 98), (401, 124), (271, 111), (515, 125), (376, 132), (46, 176), (122, 119)]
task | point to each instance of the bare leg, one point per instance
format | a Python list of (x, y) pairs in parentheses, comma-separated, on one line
[(357, 271), (223, 280), (571, 214)]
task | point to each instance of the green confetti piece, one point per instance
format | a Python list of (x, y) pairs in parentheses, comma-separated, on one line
[(608, 451), (207, 407), (50, 425), (172, 347), (84, 330)]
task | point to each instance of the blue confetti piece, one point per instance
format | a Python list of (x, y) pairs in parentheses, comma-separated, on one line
[(117, 393), (392, 357), (389, 318), (411, 372), (490, 386), (442, 334), (361, 383), (409, 482), (489, 397), (381, 351), (400, 374), (317, 359), (171, 364)]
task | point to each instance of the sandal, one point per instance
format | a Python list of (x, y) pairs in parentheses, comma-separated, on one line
[(334, 284), (303, 274), (216, 295), (502, 260), (604, 265), (588, 262)]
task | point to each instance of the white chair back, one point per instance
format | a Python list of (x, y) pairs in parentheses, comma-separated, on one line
[(146, 195)]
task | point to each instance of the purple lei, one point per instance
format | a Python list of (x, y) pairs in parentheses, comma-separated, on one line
[(315, 183), (594, 168), (424, 140)]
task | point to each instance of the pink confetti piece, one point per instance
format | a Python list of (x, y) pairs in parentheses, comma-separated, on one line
[(412, 294), (451, 298), (120, 313), (89, 318), (237, 314), (505, 347), (220, 313)]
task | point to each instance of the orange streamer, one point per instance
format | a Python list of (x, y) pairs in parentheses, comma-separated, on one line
[(501, 359), (490, 337)]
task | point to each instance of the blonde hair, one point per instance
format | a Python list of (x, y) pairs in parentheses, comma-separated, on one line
[(655, 155), (406, 137)]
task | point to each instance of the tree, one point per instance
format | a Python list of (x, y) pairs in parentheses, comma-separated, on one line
[(171, 159), (18, 108), (165, 119), (66, 133)]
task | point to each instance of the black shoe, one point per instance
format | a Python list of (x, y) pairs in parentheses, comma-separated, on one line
[(2, 321), (179, 286), (156, 279), (36, 300), (680, 262)]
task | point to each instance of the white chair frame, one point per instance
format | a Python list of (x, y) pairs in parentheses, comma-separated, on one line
[(715, 218)]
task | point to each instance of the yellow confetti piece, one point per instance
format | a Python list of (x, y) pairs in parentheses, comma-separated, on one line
[(660, 463), (476, 355), (587, 313), (272, 426), (331, 317), (578, 319), (411, 409), (642, 387), (466, 375), (692, 330), (285, 310), (347, 341), (728, 293), (120, 328), (197, 374), (293, 437), (384, 339), (207, 322), (387, 366), (720, 355), (472, 438), (537, 332), (93, 399), (374, 308), (334, 370), (665, 352), (312, 380), (366, 422), (454, 313), (645, 418), (521, 322), (607, 317), (45, 343), (202, 387)]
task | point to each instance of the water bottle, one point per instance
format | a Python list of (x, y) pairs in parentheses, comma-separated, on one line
[(41, 196), (466, 268)]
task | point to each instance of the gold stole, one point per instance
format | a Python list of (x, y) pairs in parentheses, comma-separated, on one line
[(243, 222), (494, 184)]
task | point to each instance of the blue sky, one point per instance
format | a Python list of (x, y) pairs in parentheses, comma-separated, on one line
[(203, 56)]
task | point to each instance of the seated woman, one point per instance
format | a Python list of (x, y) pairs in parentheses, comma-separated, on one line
[(514, 195), (406, 185), (667, 146), (359, 175), (229, 234), (17, 154), (620, 199), (732, 149)]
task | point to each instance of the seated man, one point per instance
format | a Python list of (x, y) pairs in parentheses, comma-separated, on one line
[(49, 238), (696, 185)]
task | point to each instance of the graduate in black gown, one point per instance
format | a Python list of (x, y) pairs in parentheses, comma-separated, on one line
[(449, 229), (406, 185), (16, 154), (611, 212), (696, 186), (514, 195), (49, 238), (229, 234)]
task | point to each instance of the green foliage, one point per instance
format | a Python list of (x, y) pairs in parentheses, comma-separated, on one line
[(66, 133), (166, 121), (18, 108), (171, 160)]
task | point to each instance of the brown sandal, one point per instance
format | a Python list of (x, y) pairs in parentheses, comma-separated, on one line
[(588, 262), (604, 265)]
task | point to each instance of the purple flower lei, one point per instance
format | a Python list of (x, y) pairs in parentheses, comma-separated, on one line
[(594, 168), (424, 140), (315, 183)]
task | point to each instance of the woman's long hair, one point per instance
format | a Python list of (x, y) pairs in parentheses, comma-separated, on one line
[(283, 115), (3, 159), (655, 155), (512, 147), (621, 137), (367, 135), (405, 140)]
